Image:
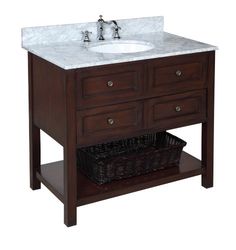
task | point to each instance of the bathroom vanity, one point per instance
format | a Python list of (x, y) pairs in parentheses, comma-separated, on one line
[(81, 94)]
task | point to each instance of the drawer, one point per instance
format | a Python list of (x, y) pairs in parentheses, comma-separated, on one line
[(177, 74), (106, 123), (176, 110), (109, 84)]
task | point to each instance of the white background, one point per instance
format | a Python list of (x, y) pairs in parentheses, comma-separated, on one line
[(180, 215)]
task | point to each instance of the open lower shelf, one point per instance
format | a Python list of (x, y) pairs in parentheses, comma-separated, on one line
[(52, 177)]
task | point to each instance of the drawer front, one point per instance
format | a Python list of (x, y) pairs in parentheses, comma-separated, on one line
[(177, 74), (177, 110), (105, 123), (109, 84)]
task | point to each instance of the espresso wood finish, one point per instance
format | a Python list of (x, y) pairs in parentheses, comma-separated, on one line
[(52, 98), (178, 74), (109, 121), (49, 98), (104, 84), (52, 177), (100, 104), (208, 128), (177, 110), (70, 168), (34, 133)]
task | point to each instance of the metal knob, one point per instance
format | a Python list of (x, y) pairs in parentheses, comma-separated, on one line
[(86, 34), (178, 72), (110, 83), (110, 121), (177, 108), (116, 34)]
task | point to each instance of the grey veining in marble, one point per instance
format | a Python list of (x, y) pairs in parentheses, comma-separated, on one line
[(72, 32), (66, 50)]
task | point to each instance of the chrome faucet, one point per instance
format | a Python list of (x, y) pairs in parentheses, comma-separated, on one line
[(116, 29), (86, 35), (100, 26)]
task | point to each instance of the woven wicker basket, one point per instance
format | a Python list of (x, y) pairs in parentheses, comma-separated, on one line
[(104, 163)]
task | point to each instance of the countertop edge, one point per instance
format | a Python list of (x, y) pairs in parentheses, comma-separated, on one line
[(114, 61)]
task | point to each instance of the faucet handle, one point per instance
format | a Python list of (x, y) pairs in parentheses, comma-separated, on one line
[(100, 18), (86, 34), (116, 28), (116, 34)]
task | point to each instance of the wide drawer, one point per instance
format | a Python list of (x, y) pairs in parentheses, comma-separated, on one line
[(109, 84), (105, 123), (177, 74), (176, 110)]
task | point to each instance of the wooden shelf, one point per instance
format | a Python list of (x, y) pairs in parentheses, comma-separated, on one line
[(52, 177)]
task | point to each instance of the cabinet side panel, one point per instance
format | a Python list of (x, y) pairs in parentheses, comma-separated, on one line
[(208, 127), (49, 98)]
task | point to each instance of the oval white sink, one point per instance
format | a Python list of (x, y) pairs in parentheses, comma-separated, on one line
[(125, 46)]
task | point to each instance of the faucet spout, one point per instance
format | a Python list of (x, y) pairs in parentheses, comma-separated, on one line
[(113, 21), (100, 28)]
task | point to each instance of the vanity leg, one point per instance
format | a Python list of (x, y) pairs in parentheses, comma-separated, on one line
[(207, 155), (70, 168), (34, 156), (34, 135), (208, 129), (70, 187)]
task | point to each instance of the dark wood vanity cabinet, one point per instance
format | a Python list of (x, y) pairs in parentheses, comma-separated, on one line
[(86, 106), (103, 85), (177, 110), (109, 122), (171, 75)]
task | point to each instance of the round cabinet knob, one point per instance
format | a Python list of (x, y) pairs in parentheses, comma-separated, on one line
[(178, 72), (110, 121), (177, 108), (110, 83)]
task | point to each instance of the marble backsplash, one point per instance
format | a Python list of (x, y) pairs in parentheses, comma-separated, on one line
[(72, 32)]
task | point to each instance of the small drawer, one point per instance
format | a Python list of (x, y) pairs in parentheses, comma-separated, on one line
[(109, 84), (105, 123), (177, 110), (178, 74)]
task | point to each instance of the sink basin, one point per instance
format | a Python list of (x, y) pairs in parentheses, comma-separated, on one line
[(124, 46)]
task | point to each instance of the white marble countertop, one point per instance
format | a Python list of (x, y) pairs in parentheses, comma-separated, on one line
[(75, 54)]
